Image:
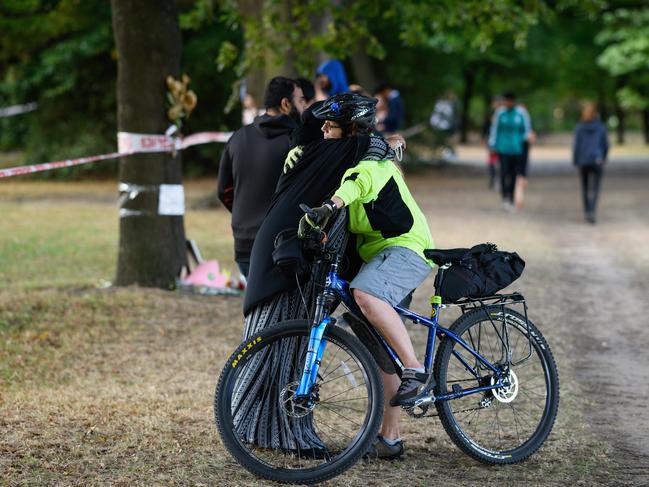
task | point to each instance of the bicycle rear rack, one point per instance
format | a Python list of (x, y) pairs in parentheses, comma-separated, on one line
[(501, 300)]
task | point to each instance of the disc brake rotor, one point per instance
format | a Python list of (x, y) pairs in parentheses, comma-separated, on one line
[(290, 406), (509, 390)]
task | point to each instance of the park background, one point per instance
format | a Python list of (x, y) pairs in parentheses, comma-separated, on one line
[(103, 384)]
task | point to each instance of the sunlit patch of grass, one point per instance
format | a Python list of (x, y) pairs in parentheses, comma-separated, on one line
[(54, 234)]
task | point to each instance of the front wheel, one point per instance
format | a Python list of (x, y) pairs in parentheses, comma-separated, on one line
[(279, 438), (504, 425)]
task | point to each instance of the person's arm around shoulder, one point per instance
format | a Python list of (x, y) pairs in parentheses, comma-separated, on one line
[(225, 189)]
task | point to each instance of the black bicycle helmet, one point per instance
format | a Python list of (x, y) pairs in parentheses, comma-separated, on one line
[(348, 108)]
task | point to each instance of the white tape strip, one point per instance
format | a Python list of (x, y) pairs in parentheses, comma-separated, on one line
[(18, 109), (171, 200)]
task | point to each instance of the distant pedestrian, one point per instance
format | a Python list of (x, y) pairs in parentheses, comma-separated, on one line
[(252, 163), (330, 79), (492, 155), (509, 130), (520, 185), (395, 114), (444, 121), (589, 153)]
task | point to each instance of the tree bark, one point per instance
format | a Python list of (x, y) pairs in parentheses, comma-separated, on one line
[(645, 125), (619, 111), (362, 69), (621, 123), (152, 246), (469, 78), (271, 63)]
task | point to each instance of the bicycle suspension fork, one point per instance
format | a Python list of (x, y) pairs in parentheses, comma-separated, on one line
[(317, 345)]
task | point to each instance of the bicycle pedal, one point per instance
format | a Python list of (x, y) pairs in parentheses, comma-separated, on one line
[(423, 401)]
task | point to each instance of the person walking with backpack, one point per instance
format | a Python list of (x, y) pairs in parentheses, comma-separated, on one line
[(589, 153)]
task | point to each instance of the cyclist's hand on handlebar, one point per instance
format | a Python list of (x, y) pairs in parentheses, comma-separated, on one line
[(315, 218), (292, 158)]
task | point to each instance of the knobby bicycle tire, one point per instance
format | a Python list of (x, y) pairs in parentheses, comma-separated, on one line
[(463, 423), (261, 345)]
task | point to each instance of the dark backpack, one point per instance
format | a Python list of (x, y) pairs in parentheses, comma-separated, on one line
[(482, 271)]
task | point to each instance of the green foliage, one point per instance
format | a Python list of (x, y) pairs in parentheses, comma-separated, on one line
[(58, 53), (626, 54), (290, 28), (61, 55)]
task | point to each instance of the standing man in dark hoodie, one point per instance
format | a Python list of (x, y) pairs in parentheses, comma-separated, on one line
[(252, 163)]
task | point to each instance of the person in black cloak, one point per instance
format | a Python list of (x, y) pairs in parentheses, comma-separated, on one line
[(312, 173)]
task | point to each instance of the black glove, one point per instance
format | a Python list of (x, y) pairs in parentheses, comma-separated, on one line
[(316, 218)]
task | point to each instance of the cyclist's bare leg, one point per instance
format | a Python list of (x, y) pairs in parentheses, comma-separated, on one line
[(391, 415), (386, 320)]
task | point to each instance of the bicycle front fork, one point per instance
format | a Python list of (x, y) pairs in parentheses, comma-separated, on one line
[(314, 354)]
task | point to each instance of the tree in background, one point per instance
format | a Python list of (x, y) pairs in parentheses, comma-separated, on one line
[(148, 42), (60, 55), (625, 38)]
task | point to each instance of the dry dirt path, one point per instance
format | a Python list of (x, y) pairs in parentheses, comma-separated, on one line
[(587, 287)]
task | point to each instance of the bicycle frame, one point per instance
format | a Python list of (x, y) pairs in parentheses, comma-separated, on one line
[(336, 287)]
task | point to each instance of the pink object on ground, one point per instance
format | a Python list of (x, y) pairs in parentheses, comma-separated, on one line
[(208, 274)]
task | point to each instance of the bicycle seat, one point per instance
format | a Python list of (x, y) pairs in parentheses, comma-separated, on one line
[(443, 257)]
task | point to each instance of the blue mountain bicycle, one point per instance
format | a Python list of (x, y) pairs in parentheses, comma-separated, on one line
[(494, 383)]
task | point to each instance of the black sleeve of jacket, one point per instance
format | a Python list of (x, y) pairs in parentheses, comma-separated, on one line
[(226, 182)]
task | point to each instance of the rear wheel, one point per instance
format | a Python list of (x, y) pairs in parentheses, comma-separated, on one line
[(508, 424), (277, 438)]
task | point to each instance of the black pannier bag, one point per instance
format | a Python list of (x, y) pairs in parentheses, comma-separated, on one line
[(288, 254), (482, 271)]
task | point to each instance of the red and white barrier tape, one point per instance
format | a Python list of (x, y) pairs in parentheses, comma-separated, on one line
[(128, 144)]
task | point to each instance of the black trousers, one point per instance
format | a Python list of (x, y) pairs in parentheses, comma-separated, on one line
[(508, 169), (591, 179)]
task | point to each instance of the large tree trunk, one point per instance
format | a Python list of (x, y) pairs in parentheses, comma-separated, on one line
[(148, 42), (467, 94)]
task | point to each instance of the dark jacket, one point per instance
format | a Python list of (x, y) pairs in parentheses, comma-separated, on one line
[(396, 112), (250, 167), (591, 144)]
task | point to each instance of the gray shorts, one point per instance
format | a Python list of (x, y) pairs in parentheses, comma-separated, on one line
[(392, 274)]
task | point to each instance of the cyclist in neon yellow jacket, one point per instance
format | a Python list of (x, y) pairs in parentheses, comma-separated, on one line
[(392, 234), (382, 212)]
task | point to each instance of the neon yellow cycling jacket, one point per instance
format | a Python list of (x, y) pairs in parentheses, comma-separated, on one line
[(382, 212)]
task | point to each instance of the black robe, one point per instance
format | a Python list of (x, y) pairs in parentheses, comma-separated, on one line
[(271, 296), (314, 179)]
